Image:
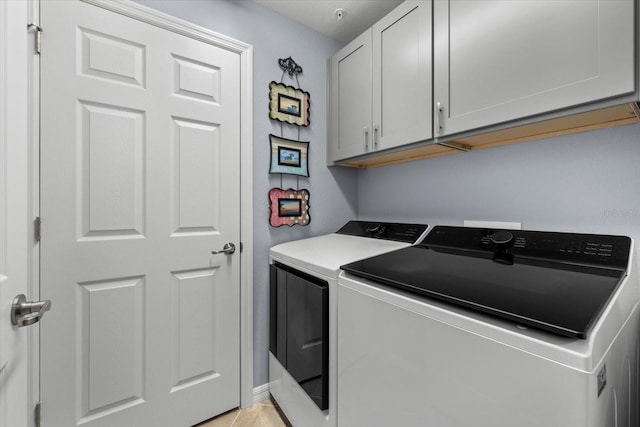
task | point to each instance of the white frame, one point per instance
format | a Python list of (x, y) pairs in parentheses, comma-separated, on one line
[(19, 142), (245, 51)]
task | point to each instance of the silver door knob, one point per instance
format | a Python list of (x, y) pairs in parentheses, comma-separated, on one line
[(228, 249), (24, 313)]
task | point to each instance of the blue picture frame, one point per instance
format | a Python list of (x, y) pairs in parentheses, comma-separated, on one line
[(289, 156)]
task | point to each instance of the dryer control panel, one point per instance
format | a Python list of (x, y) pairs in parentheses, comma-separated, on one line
[(399, 232)]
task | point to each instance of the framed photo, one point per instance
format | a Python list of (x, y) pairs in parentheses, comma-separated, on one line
[(289, 207), (288, 104), (288, 156)]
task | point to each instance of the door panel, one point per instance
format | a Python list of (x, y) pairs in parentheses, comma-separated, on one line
[(196, 80), (111, 58), (140, 182), (111, 344), (196, 176), (194, 323), (111, 171)]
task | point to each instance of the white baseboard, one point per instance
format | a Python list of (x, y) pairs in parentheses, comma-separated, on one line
[(260, 393)]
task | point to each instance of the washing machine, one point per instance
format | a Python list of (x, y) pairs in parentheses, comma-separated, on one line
[(479, 327)]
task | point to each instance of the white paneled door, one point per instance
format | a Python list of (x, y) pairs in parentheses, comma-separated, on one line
[(140, 171)]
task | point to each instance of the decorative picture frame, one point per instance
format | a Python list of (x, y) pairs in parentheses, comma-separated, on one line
[(288, 156), (288, 104), (289, 207)]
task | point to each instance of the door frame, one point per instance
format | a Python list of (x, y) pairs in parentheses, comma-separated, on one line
[(19, 161), (29, 65)]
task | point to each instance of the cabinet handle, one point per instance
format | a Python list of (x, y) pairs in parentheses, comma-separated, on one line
[(438, 117), (375, 136), (366, 138)]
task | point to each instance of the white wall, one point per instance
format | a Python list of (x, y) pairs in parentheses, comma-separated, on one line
[(333, 192), (585, 182)]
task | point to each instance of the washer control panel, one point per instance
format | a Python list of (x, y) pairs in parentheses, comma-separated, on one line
[(594, 249)]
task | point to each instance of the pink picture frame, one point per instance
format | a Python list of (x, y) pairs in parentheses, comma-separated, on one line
[(289, 207)]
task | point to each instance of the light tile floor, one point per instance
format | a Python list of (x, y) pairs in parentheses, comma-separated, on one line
[(263, 414)]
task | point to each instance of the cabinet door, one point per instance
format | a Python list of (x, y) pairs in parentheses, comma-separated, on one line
[(496, 60), (351, 99), (402, 77)]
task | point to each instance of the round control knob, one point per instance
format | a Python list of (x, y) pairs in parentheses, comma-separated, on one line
[(373, 229), (501, 238)]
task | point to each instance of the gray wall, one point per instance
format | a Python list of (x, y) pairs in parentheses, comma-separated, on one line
[(333, 192), (585, 182)]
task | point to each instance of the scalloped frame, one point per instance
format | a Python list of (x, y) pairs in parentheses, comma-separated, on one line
[(289, 104), (279, 198)]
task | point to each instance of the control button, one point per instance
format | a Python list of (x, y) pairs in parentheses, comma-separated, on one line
[(501, 238), (520, 242), (373, 229)]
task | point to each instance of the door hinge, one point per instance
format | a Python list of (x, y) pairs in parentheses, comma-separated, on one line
[(37, 225), (36, 415), (39, 30)]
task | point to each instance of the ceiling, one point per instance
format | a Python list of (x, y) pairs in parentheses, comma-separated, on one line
[(321, 16)]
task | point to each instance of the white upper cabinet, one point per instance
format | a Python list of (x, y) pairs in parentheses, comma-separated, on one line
[(350, 114), (402, 76), (496, 60), (381, 94)]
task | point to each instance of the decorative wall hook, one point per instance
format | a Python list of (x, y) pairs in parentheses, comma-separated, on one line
[(290, 66)]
